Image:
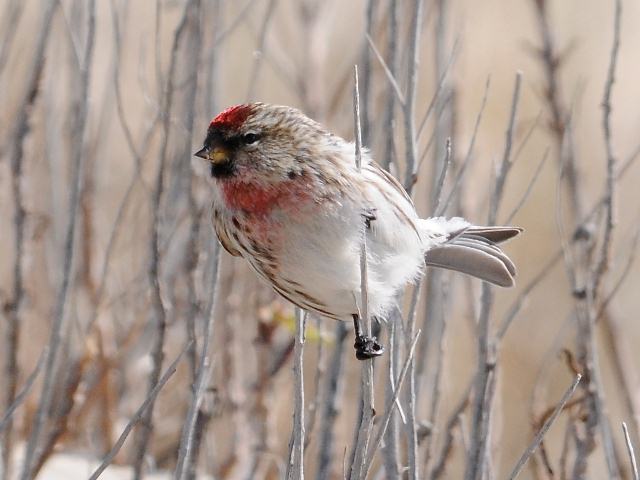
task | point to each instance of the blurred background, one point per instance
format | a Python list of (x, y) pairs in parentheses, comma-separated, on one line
[(110, 269)]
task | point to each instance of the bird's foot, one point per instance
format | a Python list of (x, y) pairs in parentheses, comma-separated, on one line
[(367, 347)]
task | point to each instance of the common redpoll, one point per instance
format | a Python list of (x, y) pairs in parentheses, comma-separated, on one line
[(289, 198)]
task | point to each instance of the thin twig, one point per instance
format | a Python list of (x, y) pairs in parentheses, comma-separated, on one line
[(365, 100), (138, 416), (16, 138), (183, 466), (11, 16), (22, 394), (454, 419), (366, 421), (391, 450), (485, 376), (602, 264), (159, 312), (632, 455), (506, 164), (410, 392), (295, 465), (233, 24), (467, 159), (331, 402), (391, 406), (439, 187), (558, 254), (551, 63), (388, 116), (527, 192), (628, 266), (410, 97), (57, 329), (441, 80), (259, 52), (392, 80), (541, 433)]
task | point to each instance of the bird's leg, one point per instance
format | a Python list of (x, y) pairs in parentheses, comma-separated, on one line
[(366, 347)]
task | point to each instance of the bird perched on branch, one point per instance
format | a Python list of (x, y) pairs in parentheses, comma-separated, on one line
[(289, 199)]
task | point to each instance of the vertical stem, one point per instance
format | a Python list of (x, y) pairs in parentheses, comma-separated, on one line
[(331, 403), (58, 327), (159, 312), (366, 422), (390, 451), (482, 407), (389, 109), (295, 466), (16, 154), (410, 96), (410, 392), (366, 73)]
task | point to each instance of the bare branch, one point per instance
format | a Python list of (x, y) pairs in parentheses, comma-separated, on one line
[(467, 159), (454, 419), (138, 416), (541, 433), (366, 421), (185, 455), (632, 455), (602, 264), (392, 66), (159, 312), (527, 192), (439, 187), (295, 465), (391, 406), (410, 97), (258, 54), (392, 80), (58, 325), (20, 397), (436, 94), (11, 16), (331, 402), (485, 376)]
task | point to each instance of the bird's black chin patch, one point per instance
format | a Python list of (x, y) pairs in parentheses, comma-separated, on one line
[(222, 170)]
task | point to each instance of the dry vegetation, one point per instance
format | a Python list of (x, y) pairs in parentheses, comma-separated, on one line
[(127, 337)]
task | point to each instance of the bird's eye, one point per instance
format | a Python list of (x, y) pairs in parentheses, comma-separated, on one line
[(250, 138)]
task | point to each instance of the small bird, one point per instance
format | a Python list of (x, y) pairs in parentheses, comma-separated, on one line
[(289, 198)]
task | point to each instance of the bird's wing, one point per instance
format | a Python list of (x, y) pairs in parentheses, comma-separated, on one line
[(386, 176), (222, 234)]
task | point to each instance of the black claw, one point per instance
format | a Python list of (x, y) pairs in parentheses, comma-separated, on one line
[(367, 347), (369, 215)]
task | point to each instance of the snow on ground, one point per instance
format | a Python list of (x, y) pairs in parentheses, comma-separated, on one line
[(76, 466)]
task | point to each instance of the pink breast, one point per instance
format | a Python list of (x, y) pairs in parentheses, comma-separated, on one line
[(261, 200)]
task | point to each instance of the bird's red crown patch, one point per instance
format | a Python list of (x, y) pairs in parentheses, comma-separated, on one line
[(232, 117)]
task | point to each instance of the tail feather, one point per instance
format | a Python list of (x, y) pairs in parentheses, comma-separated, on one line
[(494, 234), (474, 251)]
